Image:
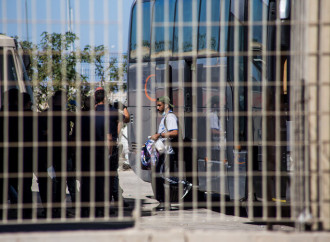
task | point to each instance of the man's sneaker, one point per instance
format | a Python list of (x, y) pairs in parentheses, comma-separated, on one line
[(160, 207), (186, 189)]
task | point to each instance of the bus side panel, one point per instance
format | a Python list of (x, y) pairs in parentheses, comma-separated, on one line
[(147, 78), (138, 135)]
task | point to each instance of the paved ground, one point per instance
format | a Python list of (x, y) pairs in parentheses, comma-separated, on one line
[(139, 195), (190, 219), (176, 225)]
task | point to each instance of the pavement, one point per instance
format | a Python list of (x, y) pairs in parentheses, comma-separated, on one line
[(186, 225), (188, 219)]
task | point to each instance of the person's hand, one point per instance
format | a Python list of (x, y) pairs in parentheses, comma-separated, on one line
[(119, 105), (155, 137)]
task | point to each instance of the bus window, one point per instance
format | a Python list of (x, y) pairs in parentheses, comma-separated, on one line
[(208, 43), (237, 69), (208, 35), (186, 26), (257, 20), (162, 29), (26, 79), (12, 74), (146, 13), (257, 47)]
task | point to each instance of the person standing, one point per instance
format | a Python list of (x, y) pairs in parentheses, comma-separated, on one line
[(27, 156), (59, 135), (168, 131), (116, 189), (215, 127), (105, 138), (13, 139), (87, 105)]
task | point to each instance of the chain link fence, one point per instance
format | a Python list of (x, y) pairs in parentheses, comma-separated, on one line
[(227, 109)]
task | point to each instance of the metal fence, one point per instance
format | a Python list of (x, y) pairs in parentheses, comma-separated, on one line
[(248, 84)]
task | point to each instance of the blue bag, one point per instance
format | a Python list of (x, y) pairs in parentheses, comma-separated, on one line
[(149, 155)]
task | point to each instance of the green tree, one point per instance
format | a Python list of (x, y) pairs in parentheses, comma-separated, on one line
[(54, 63), (109, 71)]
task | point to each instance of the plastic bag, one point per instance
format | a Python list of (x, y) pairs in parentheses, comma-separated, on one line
[(149, 155), (160, 146)]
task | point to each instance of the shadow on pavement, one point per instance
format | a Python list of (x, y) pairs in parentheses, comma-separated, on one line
[(66, 226)]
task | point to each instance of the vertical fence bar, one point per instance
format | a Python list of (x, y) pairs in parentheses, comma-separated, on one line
[(209, 142), (238, 113), (108, 171), (63, 114), (324, 132), (278, 116), (307, 162), (93, 170), (79, 173), (120, 51), (36, 140), (249, 86), (264, 86), (5, 129), (138, 100), (20, 143), (224, 107), (311, 186)]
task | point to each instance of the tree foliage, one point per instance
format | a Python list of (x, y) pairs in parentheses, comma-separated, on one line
[(54, 66)]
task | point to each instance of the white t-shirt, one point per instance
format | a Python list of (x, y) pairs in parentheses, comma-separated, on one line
[(215, 121), (171, 124), (215, 125)]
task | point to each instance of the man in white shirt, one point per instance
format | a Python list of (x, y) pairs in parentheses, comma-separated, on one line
[(168, 131)]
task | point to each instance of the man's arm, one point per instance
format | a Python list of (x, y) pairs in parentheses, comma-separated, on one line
[(169, 134), (119, 126), (126, 115), (110, 143), (123, 108)]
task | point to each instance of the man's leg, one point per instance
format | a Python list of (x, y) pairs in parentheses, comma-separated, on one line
[(71, 181), (158, 181), (114, 181)]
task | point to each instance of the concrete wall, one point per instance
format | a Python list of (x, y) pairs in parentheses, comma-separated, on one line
[(311, 95), (324, 108)]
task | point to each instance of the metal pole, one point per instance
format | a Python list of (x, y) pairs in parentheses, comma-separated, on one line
[(26, 21)]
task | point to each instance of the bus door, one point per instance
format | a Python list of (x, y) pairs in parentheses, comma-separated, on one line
[(173, 79), (215, 125)]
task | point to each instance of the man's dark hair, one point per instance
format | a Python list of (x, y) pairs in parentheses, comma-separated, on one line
[(99, 96), (86, 104), (12, 96), (26, 99), (57, 98)]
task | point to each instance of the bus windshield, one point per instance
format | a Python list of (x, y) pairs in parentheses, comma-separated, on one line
[(145, 10)]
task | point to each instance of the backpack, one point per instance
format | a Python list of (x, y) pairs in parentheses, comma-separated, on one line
[(149, 155)]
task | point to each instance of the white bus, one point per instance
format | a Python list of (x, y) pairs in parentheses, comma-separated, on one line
[(224, 59), (12, 69)]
